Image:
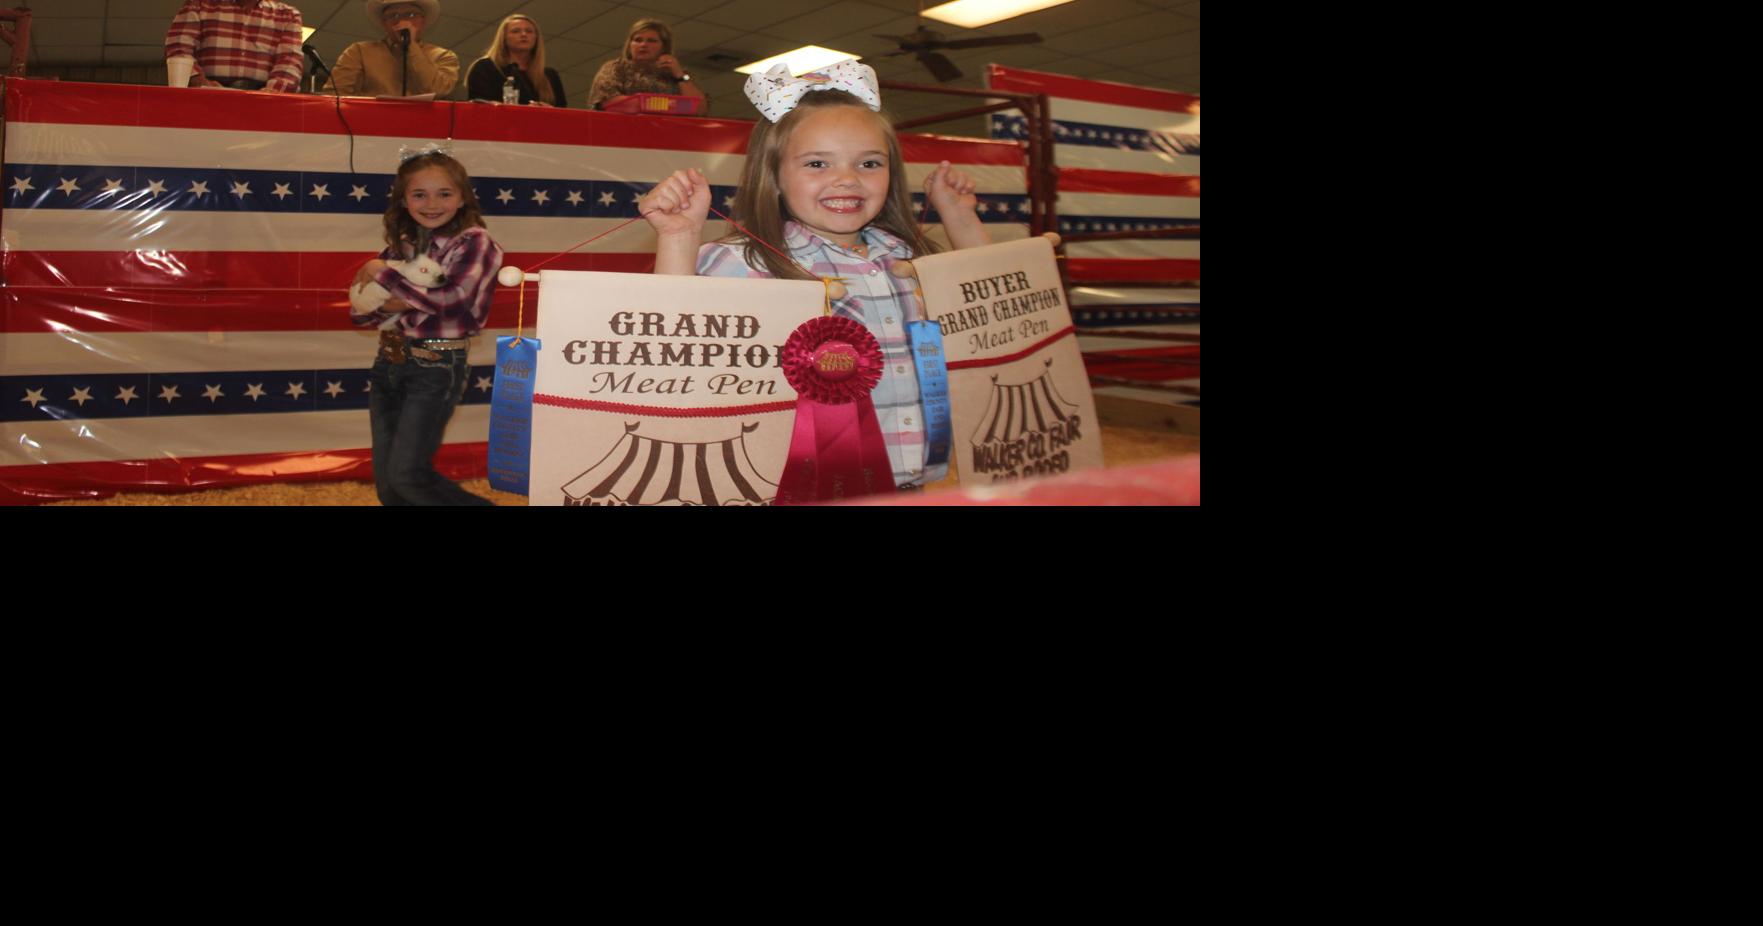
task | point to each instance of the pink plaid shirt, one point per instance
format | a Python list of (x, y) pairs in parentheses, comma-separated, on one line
[(883, 303), (254, 40)]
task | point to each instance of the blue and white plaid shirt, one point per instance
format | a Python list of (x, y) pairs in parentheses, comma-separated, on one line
[(883, 303)]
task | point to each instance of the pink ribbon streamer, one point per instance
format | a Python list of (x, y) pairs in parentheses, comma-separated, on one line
[(836, 450)]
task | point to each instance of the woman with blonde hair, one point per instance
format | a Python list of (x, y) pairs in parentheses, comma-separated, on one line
[(518, 50), (646, 65)]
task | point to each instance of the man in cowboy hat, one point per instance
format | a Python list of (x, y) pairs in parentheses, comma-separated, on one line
[(377, 68)]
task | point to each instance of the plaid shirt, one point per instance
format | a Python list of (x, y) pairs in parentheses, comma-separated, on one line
[(883, 303), (254, 40), (459, 306)]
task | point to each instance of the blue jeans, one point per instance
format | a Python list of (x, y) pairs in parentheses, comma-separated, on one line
[(408, 408)]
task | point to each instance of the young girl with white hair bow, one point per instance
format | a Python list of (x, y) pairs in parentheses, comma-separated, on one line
[(825, 182), (423, 366)]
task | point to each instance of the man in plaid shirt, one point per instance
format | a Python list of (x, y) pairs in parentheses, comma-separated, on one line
[(244, 44)]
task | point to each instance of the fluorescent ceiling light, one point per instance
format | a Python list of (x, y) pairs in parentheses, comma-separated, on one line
[(972, 14), (306, 32), (801, 61)]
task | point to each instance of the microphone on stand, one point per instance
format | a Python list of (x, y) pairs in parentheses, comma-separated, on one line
[(317, 62), (404, 40)]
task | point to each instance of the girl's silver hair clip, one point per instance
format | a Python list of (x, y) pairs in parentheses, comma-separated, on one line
[(407, 152)]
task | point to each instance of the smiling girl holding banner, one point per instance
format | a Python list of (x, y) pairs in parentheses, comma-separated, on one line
[(825, 181)]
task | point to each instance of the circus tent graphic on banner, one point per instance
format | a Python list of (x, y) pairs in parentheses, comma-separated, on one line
[(1028, 408), (643, 470)]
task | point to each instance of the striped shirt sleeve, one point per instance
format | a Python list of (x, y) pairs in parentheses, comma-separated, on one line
[(721, 259), (256, 41)]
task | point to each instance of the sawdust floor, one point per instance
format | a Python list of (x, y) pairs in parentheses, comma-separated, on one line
[(1121, 446)]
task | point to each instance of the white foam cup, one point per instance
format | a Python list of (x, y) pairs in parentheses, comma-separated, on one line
[(177, 71)]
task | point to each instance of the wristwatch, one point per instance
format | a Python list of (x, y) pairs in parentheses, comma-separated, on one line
[(684, 77)]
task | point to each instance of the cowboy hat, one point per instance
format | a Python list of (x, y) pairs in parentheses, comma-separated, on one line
[(431, 9)]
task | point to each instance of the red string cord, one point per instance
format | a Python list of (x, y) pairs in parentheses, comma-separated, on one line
[(520, 317), (534, 268), (762, 241), (824, 281)]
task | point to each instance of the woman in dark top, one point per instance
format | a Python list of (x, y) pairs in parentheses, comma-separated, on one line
[(517, 49)]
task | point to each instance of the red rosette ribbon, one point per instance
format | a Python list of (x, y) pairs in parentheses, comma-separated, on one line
[(836, 450)]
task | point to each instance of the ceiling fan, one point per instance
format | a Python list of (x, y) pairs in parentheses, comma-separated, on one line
[(925, 44)]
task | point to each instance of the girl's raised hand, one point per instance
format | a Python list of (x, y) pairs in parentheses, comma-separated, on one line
[(951, 192), (679, 205)]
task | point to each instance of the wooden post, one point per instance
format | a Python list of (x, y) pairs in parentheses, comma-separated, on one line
[(18, 36)]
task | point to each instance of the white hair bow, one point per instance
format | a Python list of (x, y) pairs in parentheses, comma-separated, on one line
[(406, 152), (775, 92)]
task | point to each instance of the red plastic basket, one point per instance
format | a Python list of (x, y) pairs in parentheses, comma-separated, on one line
[(663, 103)]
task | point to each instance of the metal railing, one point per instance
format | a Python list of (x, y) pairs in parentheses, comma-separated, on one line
[(1043, 173), (1043, 191)]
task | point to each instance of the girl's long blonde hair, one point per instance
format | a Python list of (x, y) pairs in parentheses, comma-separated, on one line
[(759, 202), (401, 228), (498, 53)]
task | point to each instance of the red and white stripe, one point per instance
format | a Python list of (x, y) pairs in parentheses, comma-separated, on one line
[(107, 291), (1112, 182)]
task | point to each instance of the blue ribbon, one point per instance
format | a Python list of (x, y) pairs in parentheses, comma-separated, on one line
[(511, 413), (933, 389)]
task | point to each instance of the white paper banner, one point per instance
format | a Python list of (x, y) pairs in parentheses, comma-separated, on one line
[(663, 390), (1021, 398)]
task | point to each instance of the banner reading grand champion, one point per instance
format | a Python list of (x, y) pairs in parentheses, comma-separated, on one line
[(1022, 403), (663, 390)]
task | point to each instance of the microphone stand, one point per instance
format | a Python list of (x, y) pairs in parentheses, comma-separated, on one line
[(317, 62), (406, 43)]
